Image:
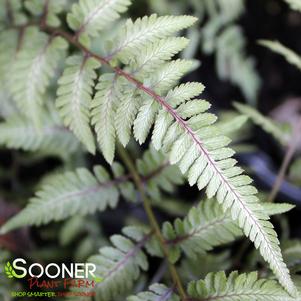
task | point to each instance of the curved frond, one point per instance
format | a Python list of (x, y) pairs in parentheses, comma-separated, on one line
[(79, 192), (75, 95), (242, 287), (157, 292), (207, 226)]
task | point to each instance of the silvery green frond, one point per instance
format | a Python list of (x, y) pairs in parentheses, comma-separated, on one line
[(89, 17), (157, 292), (237, 287), (33, 69), (74, 97), (78, 192), (207, 226)]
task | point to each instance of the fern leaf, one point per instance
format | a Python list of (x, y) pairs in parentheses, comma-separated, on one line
[(74, 97), (33, 69), (267, 124), (78, 192), (135, 36), (89, 17), (292, 57), (294, 4), (103, 111), (157, 292), (202, 153), (242, 287), (207, 226), (52, 138), (119, 266), (85, 193)]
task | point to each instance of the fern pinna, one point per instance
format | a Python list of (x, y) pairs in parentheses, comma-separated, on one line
[(120, 80)]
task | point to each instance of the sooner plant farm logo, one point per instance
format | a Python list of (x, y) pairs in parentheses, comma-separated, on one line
[(54, 276)]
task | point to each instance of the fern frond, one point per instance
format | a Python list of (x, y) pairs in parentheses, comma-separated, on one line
[(79, 192), (242, 287), (52, 138), (207, 226), (89, 17), (277, 130), (294, 4), (119, 266), (201, 152), (139, 34), (188, 135), (86, 193), (33, 69), (291, 56), (157, 292), (75, 95)]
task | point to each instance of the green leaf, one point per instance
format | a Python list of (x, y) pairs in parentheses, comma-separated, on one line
[(65, 195)]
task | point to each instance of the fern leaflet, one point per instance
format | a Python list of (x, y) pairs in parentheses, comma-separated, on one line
[(74, 97)]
